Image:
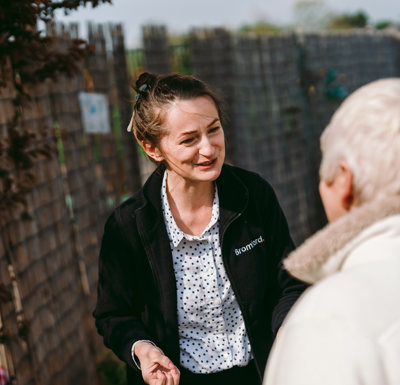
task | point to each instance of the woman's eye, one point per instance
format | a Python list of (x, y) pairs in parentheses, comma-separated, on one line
[(214, 129), (187, 141)]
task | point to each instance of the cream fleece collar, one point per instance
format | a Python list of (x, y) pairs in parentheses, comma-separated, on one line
[(313, 259)]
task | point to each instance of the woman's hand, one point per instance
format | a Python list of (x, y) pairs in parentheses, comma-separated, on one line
[(157, 368)]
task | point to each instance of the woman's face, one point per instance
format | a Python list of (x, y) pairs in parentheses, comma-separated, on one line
[(194, 146)]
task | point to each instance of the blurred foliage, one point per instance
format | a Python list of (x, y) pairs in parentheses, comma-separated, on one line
[(180, 55), (117, 131), (348, 21), (111, 371), (34, 57), (311, 15), (135, 60), (261, 27), (383, 24), (29, 57), (315, 15), (18, 153)]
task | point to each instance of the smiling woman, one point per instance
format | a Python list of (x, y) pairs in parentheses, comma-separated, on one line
[(177, 301), (193, 146)]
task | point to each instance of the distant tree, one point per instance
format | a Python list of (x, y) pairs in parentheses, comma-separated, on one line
[(383, 24), (349, 20), (260, 27)]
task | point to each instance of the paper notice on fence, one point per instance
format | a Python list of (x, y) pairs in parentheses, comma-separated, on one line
[(95, 113)]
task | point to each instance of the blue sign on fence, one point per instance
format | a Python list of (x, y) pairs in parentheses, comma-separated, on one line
[(95, 113)]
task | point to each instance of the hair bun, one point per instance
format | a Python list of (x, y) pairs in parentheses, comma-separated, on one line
[(147, 79)]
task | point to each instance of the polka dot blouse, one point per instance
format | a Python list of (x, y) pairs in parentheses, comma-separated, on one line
[(212, 335)]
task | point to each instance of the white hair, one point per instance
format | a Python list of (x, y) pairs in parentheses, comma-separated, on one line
[(365, 132)]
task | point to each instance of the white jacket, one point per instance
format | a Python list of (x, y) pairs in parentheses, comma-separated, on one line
[(345, 329)]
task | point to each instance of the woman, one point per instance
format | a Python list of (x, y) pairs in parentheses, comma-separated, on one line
[(191, 287), (346, 327)]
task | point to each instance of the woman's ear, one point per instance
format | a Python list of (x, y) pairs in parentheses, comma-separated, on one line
[(152, 151)]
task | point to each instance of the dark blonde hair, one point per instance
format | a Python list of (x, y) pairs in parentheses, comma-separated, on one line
[(155, 92)]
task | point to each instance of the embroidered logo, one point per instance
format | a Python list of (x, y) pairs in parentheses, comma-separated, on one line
[(250, 245)]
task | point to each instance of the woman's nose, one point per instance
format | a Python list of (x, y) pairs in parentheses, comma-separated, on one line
[(206, 147)]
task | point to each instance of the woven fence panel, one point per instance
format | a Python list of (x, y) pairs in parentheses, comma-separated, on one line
[(270, 115), (48, 302), (105, 146), (212, 61), (14, 354), (336, 64), (250, 101), (156, 49), (85, 186), (129, 159)]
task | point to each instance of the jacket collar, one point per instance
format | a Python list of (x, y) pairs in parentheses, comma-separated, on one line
[(320, 255), (233, 196)]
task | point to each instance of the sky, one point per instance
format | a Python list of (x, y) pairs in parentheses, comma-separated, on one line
[(182, 15)]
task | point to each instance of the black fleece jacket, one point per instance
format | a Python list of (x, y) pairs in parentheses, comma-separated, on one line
[(137, 290)]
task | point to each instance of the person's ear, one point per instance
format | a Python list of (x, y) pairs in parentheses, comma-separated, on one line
[(152, 151), (346, 189)]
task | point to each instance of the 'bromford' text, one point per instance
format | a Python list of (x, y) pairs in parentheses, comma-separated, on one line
[(250, 245)]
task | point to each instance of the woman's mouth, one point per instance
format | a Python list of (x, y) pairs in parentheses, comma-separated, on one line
[(207, 164)]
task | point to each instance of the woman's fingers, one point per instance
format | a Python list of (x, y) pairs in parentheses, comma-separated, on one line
[(172, 377), (169, 372), (176, 375), (157, 368)]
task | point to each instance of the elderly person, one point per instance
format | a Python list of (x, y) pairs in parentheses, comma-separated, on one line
[(345, 329)]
